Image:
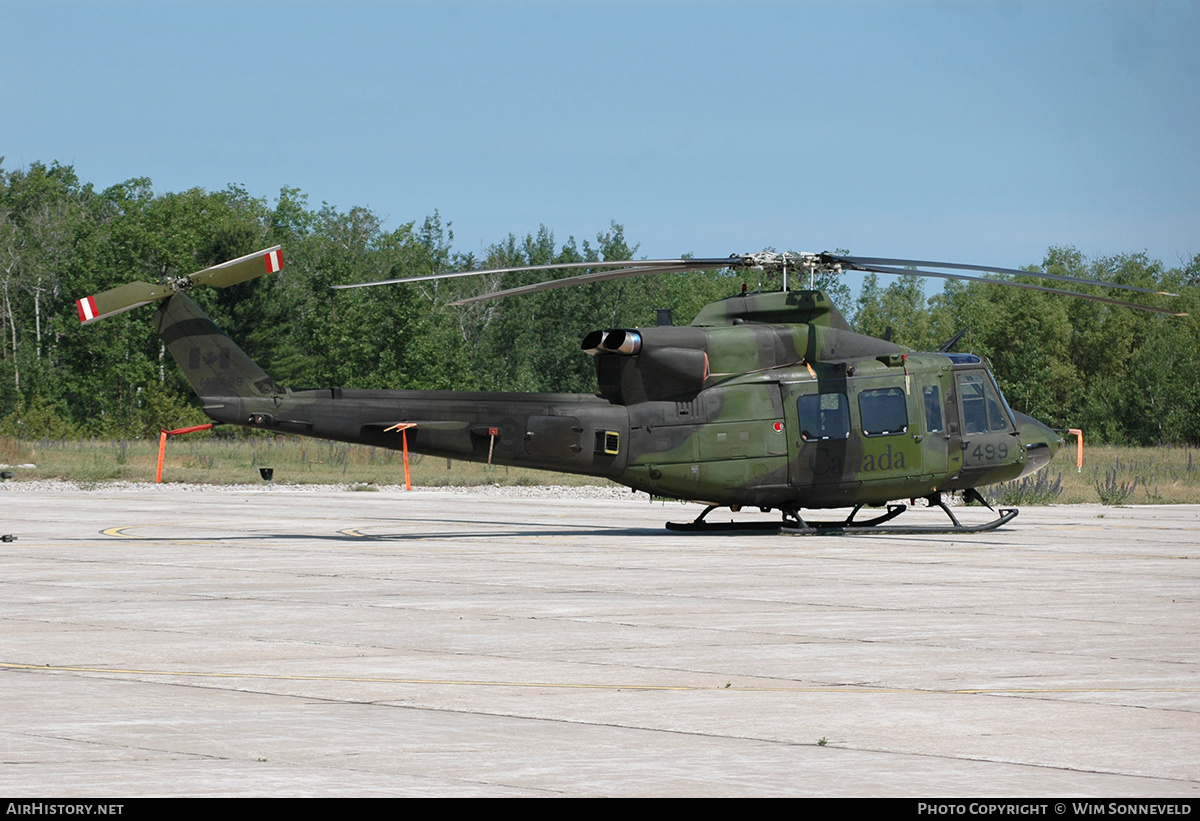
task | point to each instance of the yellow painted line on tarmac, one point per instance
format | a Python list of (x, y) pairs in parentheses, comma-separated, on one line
[(1118, 526), (845, 689), (394, 539), (355, 679), (390, 540), (119, 531)]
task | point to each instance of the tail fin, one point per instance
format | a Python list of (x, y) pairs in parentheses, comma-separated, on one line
[(135, 294), (214, 366)]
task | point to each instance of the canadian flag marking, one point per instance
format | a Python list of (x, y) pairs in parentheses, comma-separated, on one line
[(274, 260)]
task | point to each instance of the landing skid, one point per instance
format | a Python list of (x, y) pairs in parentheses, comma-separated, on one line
[(793, 525)]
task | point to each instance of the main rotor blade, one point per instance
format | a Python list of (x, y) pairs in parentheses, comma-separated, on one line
[(585, 279), (858, 262), (826, 261), (555, 267), (917, 272)]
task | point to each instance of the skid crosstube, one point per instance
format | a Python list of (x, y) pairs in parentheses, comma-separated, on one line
[(793, 525), (1006, 515)]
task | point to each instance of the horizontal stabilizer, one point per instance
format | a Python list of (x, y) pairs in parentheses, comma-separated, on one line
[(440, 424), (135, 294)]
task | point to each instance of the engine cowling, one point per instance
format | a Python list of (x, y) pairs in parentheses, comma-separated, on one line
[(648, 364)]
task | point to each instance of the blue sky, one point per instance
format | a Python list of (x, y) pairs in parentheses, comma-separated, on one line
[(972, 131)]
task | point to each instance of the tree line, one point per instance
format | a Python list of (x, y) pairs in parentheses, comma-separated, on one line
[(1121, 375)]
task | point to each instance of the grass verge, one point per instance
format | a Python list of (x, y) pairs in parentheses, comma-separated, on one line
[(209, 459), (1161, 475)]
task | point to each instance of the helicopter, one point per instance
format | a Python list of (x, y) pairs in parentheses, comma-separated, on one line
[(767, 400)]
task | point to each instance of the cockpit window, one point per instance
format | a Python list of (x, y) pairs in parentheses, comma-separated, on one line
[(983, 410)]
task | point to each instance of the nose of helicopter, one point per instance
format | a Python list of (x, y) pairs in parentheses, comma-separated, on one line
[(1040, 441)]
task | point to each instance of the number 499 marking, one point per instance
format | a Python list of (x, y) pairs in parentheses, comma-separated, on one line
[(990, 453)]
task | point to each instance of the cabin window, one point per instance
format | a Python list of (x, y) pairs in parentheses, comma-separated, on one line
[(933, 408), (824, 416), (983, 410), (883, 411)]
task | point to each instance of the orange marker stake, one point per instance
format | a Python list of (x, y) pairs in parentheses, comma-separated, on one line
[(162, 444), (403, 428), (162, 451), (404, 446), (1078, 448)]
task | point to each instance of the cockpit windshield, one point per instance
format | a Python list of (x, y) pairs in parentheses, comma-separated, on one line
[(984, 409)]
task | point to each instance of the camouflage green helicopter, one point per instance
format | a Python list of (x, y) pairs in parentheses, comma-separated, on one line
[(766, 400)]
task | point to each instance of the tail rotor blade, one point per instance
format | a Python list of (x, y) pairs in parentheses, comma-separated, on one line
[(241, 269), (120, 299), (136, 294)]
